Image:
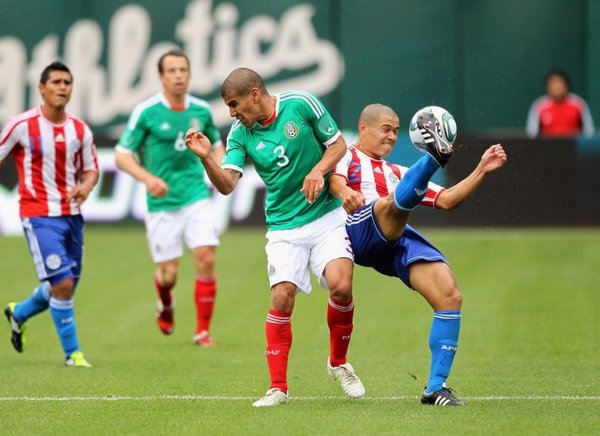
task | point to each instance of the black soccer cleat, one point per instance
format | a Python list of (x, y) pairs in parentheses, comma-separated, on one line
[(434, 138), (17, 328), (443, 397)]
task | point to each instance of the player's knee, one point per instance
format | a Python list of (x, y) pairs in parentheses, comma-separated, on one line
[(283, 296), (62, 290), (167, 275), (453, 298), (205, 260), (206, 263), (340, 289)]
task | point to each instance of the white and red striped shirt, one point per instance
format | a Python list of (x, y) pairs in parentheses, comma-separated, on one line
[(376, 178), (50, 159)]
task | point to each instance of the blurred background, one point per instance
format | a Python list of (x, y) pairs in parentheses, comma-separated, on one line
[(484, 61)]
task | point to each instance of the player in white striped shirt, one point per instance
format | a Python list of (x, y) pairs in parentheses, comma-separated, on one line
[(57, 168), (379, 197)]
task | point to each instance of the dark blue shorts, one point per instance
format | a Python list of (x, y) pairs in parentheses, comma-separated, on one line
[(56, 246), (391, 258)]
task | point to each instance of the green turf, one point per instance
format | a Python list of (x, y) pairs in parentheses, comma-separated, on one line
[(528, 362)]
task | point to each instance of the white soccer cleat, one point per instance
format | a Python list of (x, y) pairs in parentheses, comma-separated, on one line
[(273, 397), (350, 382)]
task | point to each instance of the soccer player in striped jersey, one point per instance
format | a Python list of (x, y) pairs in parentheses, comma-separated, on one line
[(179, 202), (378, 197), (57, 169), (294, 143)]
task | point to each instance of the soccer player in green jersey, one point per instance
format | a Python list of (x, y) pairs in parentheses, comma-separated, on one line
[(179, 201), (294, 143)]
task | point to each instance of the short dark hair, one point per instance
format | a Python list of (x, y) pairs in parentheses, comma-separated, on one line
[(241, 81), (558, 73), (173, 52), (54, 66)]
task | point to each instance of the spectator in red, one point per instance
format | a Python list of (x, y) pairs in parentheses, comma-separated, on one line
[(559, 112)]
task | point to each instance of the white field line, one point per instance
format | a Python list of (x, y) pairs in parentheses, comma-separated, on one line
[(292, 398)]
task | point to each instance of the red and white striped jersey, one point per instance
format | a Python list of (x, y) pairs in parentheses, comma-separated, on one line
[(50, 159), (376, 178)]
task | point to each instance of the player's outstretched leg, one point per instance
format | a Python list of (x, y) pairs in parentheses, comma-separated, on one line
[(436, 143), (412, 188)]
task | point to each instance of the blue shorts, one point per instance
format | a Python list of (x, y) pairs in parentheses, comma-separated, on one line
[(56, 246), (391, 258)]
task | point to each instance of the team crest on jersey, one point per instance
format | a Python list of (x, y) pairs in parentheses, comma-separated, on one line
[(290, 130), (394, 178), (53, 261)]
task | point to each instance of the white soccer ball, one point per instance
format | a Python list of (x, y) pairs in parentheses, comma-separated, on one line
[(443, 122)]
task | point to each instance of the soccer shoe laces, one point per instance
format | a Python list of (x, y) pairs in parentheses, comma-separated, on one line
[(351, 384), (273, 397)]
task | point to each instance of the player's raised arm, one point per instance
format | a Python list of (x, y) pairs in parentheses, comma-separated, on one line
[(491, 160), (224, 180)]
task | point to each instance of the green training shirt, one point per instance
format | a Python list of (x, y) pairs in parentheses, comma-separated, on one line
[(157, 132), (283, 153)]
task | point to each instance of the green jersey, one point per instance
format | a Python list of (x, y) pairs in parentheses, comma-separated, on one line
[(157, 132), (283, 152)]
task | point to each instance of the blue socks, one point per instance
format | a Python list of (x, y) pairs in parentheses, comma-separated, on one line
[(413, 186), (36, 303), (443, 342), (63, 315)]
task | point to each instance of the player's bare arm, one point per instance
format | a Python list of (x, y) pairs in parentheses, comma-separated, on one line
[(491, 160), (81, 191), (351, 200), (314, 181), (128, 163), (225, 180)]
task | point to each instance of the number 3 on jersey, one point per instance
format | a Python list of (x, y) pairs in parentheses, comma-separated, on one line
[(284, 159)]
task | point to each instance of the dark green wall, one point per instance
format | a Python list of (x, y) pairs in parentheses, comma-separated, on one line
[(484, 60)]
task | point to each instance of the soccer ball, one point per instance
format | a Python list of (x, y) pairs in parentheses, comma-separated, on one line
[(443, 120)]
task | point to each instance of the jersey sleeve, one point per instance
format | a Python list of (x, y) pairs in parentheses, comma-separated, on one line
[(7, 140), (586, 119), (433, 192), (342, 167), (235, 154), (88, 155), (133, 136), (322, 123)]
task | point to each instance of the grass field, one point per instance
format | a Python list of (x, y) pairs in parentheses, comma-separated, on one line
[(528, 362)]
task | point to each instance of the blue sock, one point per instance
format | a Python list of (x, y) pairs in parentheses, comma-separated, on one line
[(443, 342), (413, 186), (63, 316), (37, 302)]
